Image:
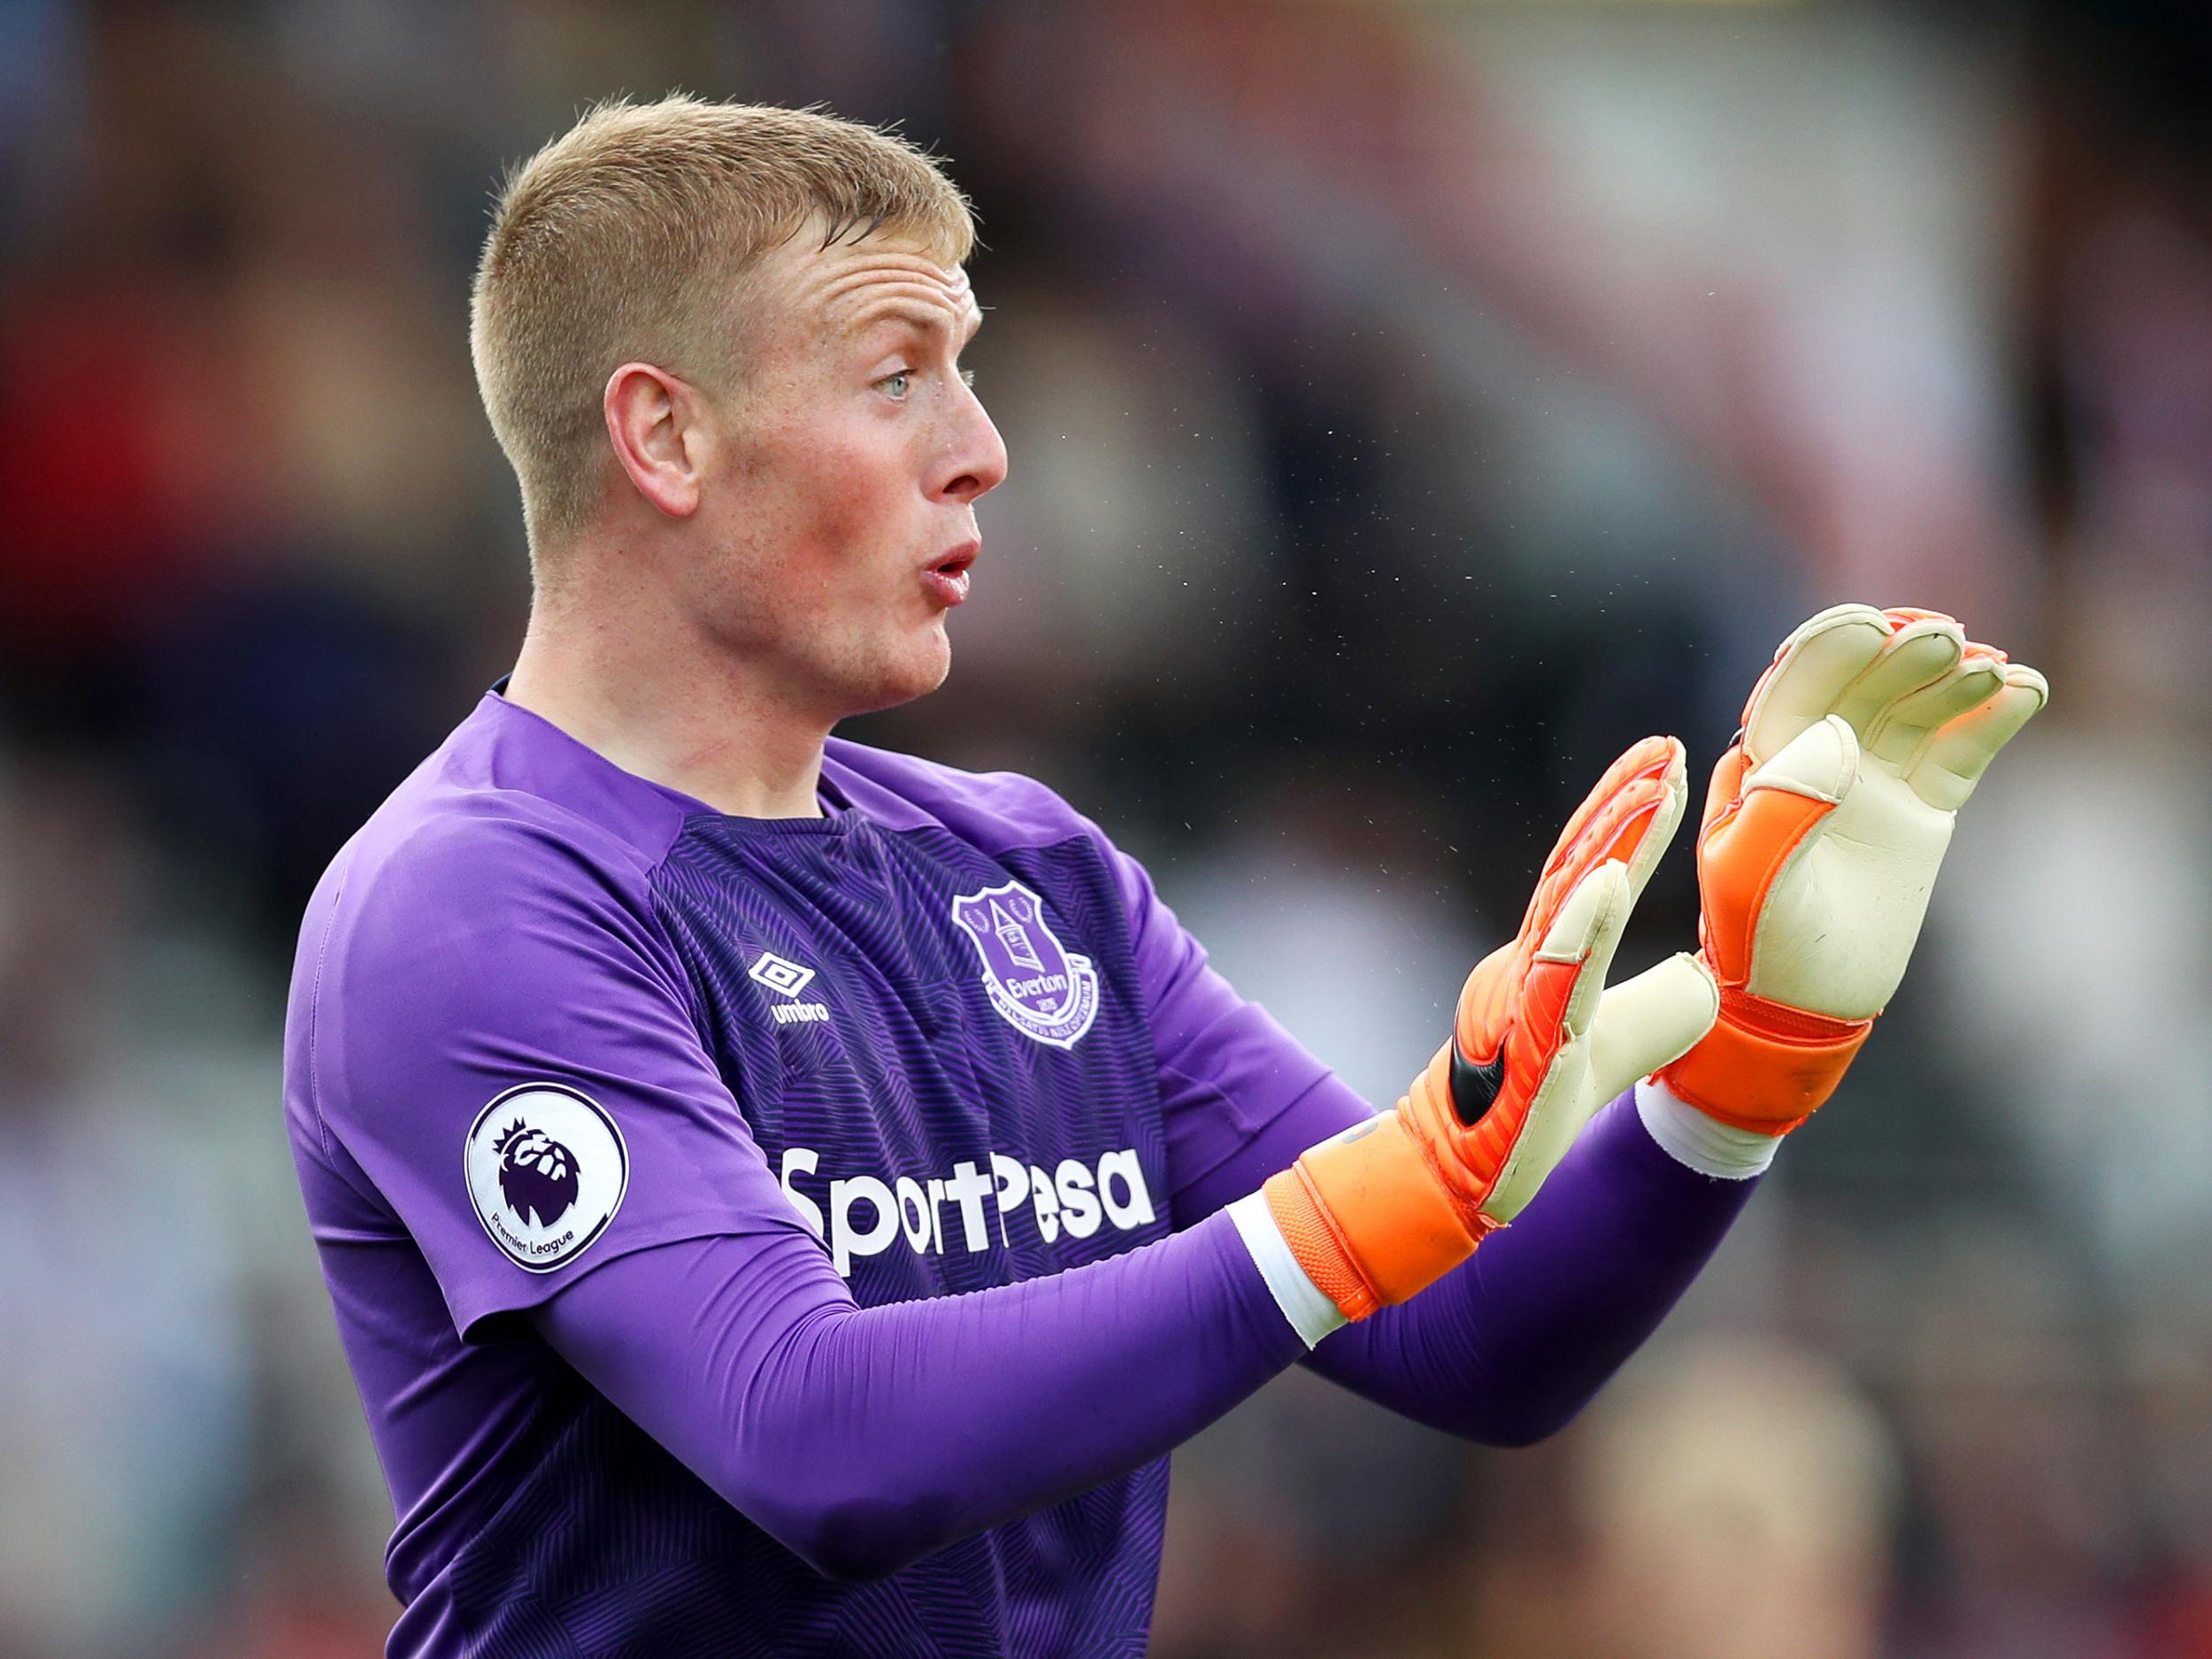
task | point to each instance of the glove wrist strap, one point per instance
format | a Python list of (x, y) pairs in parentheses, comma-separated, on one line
[(1366, 1219), (1765, 1066)]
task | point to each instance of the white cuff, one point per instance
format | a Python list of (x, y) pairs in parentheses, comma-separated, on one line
[(1704, 1144), (1312, 1315)]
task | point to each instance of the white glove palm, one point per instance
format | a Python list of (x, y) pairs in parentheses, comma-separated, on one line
[(1824, 828)]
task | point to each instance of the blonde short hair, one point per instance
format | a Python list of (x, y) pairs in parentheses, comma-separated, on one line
[(625, 239)]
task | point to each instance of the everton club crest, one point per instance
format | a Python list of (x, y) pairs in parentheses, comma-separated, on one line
[(1040, 990)]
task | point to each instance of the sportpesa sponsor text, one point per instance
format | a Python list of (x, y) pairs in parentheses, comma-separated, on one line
[(970, 1208)]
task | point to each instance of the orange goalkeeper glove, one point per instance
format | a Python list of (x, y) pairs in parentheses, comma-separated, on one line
[(1390, 1205), (1824, 830)]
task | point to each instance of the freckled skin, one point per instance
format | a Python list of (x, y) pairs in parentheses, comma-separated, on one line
[(849, 480)]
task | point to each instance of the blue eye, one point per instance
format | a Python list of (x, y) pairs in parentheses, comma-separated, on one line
[(895, 385)]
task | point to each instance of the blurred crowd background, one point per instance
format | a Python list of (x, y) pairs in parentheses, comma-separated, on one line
[(1410, 405)]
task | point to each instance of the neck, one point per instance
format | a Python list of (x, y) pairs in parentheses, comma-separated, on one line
[(660, 701)]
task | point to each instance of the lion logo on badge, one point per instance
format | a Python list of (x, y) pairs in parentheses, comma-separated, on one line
[(537, 1174), (1038, 986)]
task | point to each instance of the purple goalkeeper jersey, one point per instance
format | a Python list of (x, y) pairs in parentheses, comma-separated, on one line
[(585, 1080)]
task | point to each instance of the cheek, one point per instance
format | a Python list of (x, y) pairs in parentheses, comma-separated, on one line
[(846, 504), (854, 522)]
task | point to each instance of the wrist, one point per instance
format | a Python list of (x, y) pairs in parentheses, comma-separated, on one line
[(1366, 1218), (1697, 1139), (1310, 1313)]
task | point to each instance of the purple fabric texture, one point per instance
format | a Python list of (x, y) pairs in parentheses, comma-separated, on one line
[(717, 1212), (862, 1439)]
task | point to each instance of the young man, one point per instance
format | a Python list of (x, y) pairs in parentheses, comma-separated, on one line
[(781, 1197)]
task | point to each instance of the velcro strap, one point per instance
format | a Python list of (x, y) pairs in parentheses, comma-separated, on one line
[(1764, 1066), (1366, 1219)]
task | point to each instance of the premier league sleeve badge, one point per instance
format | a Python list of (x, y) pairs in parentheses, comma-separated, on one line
[(546, 1169)]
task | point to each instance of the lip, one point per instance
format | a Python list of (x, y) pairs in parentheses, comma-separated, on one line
[(946, 577)]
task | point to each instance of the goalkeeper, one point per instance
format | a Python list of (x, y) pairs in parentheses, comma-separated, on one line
[(780, 1197)]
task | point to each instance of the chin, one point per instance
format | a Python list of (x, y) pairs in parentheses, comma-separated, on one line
[(917, 675)]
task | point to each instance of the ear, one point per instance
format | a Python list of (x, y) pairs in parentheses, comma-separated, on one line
[(658, 425)]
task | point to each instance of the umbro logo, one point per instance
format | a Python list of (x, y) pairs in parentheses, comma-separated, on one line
[(788, 979), (779, 975)]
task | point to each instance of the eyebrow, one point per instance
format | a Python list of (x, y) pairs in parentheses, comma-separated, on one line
[(923, 319)]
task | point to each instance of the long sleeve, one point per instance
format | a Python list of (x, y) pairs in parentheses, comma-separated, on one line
[(1509, 1347), (862, 1439)]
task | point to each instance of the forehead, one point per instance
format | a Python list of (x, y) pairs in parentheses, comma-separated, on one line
[(851, 286)]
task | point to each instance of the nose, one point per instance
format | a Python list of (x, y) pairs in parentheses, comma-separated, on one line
[(975, 459)]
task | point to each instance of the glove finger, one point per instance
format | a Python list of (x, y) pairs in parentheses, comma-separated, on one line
[(1920, 653), (1519, 1013), (1647, 757), (1819, 764), (1558, 1112), (1666, 818), (1810, 671), (1557, 1001), (1585, 935), (1900, 730), (1958, 753), (1785, 806), (1900, 615), (1630, 816), (1650, 1021), (1623, 828)]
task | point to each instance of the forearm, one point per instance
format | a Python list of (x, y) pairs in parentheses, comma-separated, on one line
[(1509, 1347), (864, 1438)]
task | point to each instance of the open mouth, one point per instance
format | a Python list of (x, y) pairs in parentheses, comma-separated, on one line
[(947, 578)]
